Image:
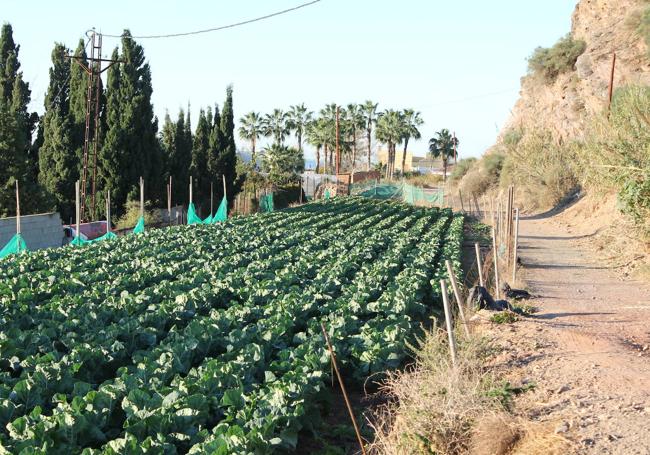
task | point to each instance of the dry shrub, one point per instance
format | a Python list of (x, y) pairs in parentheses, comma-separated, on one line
[(483, 175), (541, 169), (425, 180), (434, 404)]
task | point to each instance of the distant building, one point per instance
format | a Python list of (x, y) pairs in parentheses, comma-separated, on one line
[(421, 164)]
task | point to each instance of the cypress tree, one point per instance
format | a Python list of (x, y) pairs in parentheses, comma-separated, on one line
[(110, 156), (227, 160), (57, 161), (216, 146), (180, 167), (77, 108), (131, 148), (199, 167)]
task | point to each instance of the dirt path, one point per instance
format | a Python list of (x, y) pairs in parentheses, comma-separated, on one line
[(587, 349)]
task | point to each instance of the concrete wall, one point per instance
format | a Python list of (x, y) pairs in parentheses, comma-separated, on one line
[(39, 231)]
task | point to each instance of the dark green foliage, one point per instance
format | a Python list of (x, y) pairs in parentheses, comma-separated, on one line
[(227, 159), (57, 159), (283, 164), (131, 149), (551, 62), (78, 93), (199, 169), (287, 195)]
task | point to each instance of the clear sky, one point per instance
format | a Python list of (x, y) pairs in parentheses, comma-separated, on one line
[(458, 62)]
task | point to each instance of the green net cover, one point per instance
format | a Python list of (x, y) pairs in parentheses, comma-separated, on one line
[(222, 212), (139, 228), (208, 220), (78, 241), (14, 246), (107, 236), (192, 217), (408, 193), (266, 203), (327, 194)]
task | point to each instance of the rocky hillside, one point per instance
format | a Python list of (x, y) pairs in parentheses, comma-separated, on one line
[(563, 106)]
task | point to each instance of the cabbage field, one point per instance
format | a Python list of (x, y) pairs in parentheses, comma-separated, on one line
[(207, 339)]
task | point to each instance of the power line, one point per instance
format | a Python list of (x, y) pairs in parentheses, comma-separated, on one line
[(222, 27)]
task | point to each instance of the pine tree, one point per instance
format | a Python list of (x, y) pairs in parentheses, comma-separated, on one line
[(57, 161), (227, 160)]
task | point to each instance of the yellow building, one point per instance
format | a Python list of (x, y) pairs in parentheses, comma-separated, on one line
[(382, 156)]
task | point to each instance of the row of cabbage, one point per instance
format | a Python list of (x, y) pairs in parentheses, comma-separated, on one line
[(207, 339)]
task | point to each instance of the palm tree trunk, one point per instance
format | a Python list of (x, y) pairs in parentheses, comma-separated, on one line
[(317, 158), (325, 159), (369, 136), (253, 157), (406, 143), (444, 168), (300, 142)]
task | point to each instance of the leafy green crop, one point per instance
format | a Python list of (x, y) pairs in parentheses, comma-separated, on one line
[(206, 339)]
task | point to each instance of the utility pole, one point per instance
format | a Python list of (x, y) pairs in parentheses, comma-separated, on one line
[(338, 156), (91, 131)]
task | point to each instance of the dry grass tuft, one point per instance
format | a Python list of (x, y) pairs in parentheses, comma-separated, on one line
[(503, 434), (434, 405)]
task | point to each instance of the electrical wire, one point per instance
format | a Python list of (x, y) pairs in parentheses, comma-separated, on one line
[(222, 27)]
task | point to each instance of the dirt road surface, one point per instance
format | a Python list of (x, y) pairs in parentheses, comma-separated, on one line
[(587, 349)]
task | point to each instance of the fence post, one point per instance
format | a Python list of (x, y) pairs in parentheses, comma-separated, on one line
[(17, 209), (478, 263), (450, 327), (514, 259), (459, 301), (496, 264)]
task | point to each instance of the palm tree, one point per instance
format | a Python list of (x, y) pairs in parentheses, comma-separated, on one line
[(276, 124), (354, 121), (412, 120), (328, 124), (299, 118), (250, 130), (443, 146), (316, 137), (390, 126), (369, 110)]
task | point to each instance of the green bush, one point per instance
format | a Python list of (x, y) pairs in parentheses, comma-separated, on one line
[(551, 62), (461, 168), (616, 155), (492, 164), (132, 213)]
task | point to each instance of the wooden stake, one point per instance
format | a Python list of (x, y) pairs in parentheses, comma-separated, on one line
[(496, 263), (169, 200), (224, 187), (108, 211), (454, 286), (450, 328), (190, 189), (141, 197), (211, 199), (478, 263), (17, 209), (77, 212), (610, 91), (345, 394), (514, 259), (462, 206)]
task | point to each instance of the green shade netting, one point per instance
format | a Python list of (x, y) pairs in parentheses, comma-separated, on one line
[(402, 191), (222, 212), (139, 228), (208, 220), (107, 236), (192, 217), (14, 246), (327, 194), (79, 241), (266, 203)]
